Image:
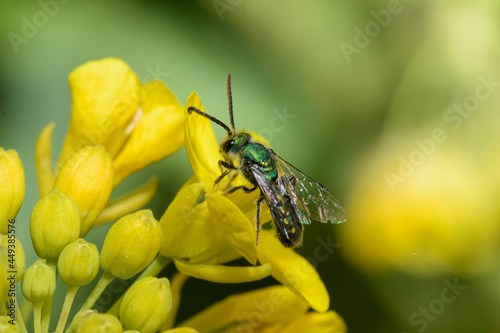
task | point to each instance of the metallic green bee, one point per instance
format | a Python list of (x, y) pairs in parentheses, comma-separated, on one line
[(293, 197)]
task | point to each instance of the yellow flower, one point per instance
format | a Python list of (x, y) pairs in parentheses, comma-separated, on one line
[(272, 309), (106, 95), (136, 124), (191, 238), (427, 214), (186, 232), (158, 134), (231, 216), (11, 187), (118, 127)]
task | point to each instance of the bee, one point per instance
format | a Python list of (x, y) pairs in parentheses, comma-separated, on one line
[(293, 198)]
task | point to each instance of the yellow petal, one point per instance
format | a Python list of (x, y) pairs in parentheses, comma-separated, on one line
[(106, 95), (128, 203), (176, 285), (293, 271), (87, 177), (224, 274), (11, 187), (328, 322), (159, 134), (156, 94), (181, 330), (272, 304), (201, 240), (201, 145), (43, 160), (234, 227), (187, 230), (227, 254), (190, 181), (177, 218)]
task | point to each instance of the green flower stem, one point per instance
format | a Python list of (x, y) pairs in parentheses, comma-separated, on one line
[(37, 309), (105, 279), (47, 305), (26, 310), (152, 270), (19, 318), (156, 266), (68, 301), (45, 315), (103, 282)]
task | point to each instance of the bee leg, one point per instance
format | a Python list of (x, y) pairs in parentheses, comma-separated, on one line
[(243, 188), (257, 218), (228, 168), (224, 174), (257, 225)]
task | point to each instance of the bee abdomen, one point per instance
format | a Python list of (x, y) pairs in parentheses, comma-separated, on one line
[(293, 235), (287, 223)]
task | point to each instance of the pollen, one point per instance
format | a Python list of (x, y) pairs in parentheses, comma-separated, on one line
[(293, 230)]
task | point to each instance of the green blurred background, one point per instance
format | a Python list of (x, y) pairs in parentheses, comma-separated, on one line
[(365, 85)]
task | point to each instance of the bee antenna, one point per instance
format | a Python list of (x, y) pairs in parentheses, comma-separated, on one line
[(230, 101), (215, 120)]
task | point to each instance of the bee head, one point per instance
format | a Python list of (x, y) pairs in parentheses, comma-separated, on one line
[(235, 143)]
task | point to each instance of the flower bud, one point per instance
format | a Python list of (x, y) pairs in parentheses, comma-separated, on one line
[(39, 282), (100, 323), (78, 263), (131, 244), (6, 327), (4, 283), (146, 305), (55, 222), (11, 187), (87, 176), (80, 317), (12, 255)]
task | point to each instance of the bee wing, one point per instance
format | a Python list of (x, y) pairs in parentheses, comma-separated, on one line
[(287, 218), (320, 203)]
